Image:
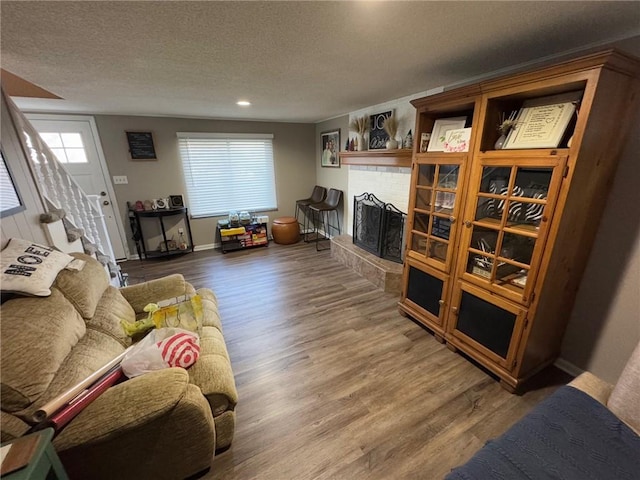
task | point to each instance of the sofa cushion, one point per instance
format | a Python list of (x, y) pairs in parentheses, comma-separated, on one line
[(84, 288), (625, 397), (37, 335), (155, 290), (211, 317), (29, 268), (111, 309), (93, 351), (212, 372), (12, 427)]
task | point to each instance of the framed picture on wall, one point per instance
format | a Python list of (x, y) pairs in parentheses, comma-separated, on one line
[(141, 146), (330, 142)]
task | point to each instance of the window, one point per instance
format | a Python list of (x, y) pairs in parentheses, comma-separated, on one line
[(226, 172), (10, 201), (67, 147)]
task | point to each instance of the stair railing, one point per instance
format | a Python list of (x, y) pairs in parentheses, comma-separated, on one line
[(58, 188)]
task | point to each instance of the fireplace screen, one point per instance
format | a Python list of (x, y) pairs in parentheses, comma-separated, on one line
[(378, 227)]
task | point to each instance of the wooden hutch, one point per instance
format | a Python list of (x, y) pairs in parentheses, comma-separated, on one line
[(497, 240)]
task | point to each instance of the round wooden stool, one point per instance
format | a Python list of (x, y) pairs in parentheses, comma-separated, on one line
[(285, 230)]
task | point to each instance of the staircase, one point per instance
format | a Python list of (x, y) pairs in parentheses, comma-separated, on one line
[(64, 199)]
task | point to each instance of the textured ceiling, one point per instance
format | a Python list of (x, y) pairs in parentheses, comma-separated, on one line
[(295, 61)]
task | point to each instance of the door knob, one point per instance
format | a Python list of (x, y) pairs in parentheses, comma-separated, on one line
[(106, 202), (441, 302), (467, 223), (103, 194), (452, 219), (454, 309)]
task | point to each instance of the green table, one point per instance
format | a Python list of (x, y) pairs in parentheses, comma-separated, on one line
[(43, 462)]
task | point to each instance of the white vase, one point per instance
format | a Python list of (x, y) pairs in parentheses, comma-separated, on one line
[(361, 145), (500, 142), (392, 144)]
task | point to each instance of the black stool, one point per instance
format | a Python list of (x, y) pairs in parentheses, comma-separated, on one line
[(323, 210), (318, 195)]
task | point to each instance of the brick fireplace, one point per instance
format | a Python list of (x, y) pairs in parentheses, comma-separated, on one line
[(391, 185)]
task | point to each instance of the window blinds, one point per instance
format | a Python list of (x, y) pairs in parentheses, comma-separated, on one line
[(226, 172)]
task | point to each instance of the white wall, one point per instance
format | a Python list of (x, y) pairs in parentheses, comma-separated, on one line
[(389, 184)]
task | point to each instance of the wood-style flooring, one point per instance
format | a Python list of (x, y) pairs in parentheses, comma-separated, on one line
[(333, 382)]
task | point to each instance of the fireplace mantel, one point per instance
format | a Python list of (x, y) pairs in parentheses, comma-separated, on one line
[(383, 158)]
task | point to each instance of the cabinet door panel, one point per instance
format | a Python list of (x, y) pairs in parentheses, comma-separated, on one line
[(507, 219), (425, 292), (435, 204), (490, 324)]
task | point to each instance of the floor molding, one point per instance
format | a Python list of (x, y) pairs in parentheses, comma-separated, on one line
[(568, 367)]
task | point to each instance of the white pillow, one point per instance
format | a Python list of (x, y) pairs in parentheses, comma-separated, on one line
[(29, 268)]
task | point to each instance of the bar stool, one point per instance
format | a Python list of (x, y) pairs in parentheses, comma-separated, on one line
[(318, 195), (323, 210)]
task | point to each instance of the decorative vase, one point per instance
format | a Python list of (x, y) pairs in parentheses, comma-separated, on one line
[(361, 145), (392, 144), (500, 142)]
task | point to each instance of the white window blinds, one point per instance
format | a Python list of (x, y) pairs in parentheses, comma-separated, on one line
[(226, 172)]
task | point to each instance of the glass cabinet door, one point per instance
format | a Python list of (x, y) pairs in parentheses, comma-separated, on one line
[(435, 205), (506, 226)]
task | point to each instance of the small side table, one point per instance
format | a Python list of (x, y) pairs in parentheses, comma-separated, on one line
[(42, 460)]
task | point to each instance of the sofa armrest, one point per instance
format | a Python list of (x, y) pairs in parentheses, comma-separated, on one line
[(593, 386), (156, 425), (153, 291)]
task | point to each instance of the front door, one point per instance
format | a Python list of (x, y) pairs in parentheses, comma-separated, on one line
[(74, 140)]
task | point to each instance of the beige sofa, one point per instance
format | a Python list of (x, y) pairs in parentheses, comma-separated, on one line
[(623, 398), (165, 424)]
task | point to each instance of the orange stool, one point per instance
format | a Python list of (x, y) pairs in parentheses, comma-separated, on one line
[(285, 230)]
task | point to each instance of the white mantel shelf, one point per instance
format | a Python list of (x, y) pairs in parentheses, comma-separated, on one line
[(383, 158)]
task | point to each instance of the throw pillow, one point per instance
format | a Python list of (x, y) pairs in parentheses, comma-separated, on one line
[(29, 268), (624, 401)]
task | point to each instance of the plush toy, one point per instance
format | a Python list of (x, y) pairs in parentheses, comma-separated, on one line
[(141, 326)]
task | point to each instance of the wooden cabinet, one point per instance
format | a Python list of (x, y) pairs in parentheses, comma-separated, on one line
[(497, 240), (245, 236)]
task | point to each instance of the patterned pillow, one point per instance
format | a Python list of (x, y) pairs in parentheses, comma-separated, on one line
[(29, 268)]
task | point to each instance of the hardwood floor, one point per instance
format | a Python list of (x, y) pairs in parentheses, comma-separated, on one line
[(333, 382)]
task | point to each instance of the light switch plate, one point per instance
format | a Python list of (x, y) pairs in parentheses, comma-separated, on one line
[(120, 180)]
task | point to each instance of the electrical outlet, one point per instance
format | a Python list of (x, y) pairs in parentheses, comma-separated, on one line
[(120, 180), (180, 231)]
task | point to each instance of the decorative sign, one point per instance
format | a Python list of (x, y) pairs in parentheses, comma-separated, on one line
[(457, 140), (439, 133), (541, 126), (377, 136), (141, 146)]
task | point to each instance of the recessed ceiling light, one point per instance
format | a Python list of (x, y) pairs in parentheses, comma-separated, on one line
[(243, 103)]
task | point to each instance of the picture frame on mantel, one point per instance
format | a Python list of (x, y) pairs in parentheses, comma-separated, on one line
[(330, 144), (141, 146), (377, 135)]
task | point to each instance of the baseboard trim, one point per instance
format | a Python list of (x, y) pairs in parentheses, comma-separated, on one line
[(208, 246), (568, 367)]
